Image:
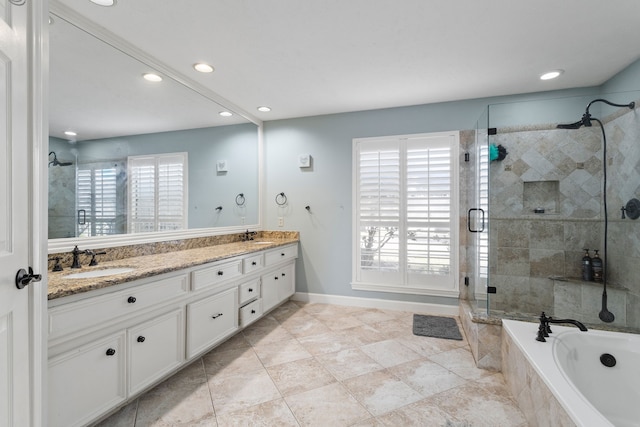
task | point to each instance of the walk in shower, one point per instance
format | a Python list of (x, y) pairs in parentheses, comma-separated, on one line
[(533, 213)]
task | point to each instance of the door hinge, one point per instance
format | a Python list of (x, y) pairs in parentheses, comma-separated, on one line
[(491, 290), (466, 157), (492, 131)]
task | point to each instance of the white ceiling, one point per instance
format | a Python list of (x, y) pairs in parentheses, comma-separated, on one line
[(305, 58)]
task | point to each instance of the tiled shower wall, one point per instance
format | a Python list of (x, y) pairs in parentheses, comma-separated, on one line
[(560, 171)]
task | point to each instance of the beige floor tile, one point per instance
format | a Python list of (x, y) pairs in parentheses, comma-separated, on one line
[(287, 311), (182, 400), (393, 328), (470, 403), (299, 376), (427, 377), (304, 325), (348, 363), (372, 315), (427, 346), (338, 323), (242, 390), (266, 333), (231, 362), (281, 352), (389, 353), (381, 392), (235, 342), (267, 414), (461, 362), (328, 342), (331, 405), (371, 422), (366, 334), (419, 414)]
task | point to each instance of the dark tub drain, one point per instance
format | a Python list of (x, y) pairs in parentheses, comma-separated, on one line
[(608, 360)]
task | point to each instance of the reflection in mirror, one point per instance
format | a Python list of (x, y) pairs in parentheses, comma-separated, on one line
[(146, 157)]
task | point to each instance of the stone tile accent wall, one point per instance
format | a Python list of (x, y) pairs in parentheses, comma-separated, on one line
[(538, 404), (484, 337)]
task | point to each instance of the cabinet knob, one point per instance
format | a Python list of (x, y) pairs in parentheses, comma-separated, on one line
[(111, 352), (220, 273), (141, 338), (283, 274), (131, 300), (254, 263), (282, 254), (215, 316), (275, 278), (250, 290), (253, 312)]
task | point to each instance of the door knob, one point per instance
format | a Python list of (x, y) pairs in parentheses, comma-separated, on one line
[(23, 278)]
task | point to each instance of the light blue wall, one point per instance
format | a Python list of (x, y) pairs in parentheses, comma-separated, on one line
[(324, 266)]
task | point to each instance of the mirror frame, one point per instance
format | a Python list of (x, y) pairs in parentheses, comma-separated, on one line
[(61, 245)]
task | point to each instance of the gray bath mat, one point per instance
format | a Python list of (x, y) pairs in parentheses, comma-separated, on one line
[(436, 326)]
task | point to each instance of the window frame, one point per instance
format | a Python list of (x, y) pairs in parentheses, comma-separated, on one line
[(401, 282)]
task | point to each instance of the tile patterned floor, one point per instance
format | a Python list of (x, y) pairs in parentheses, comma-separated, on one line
[(328, 365)]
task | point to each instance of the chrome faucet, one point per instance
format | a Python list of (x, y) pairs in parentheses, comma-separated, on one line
[(544, 329)]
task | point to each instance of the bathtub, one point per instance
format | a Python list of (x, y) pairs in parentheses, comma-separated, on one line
[(570, 365)]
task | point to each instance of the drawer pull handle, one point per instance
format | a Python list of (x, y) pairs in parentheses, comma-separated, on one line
[(254, 263), (253, 312), (215, 316), (275, 278), (283, 274), (111, 352), (131, 300), (141, 338), (250, 290), (220, 273)]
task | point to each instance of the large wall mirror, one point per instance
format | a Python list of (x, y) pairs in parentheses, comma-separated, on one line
[(146, 159)]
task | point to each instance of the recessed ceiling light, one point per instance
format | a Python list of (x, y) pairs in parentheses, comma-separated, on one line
[(225, 114), (551, 74), (264, 109), (152, 77), (104, 2), (203, 68), (70, 133)]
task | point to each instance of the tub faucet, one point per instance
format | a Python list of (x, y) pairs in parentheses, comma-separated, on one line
[(544, 329)]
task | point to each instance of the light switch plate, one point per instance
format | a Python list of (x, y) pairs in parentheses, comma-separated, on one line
[(222, 166), (304, 160)]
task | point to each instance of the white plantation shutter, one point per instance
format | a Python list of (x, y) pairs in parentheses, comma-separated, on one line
[(157, 192), (96, 200), (405, 213)]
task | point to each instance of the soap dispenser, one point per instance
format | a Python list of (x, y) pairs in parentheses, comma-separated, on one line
[(587, 267), (596, 265)]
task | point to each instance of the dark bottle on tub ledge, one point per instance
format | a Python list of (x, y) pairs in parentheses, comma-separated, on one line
[(587, 269), (596, 265)]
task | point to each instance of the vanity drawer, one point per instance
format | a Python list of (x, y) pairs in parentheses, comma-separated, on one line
[(281, 254), (252, 263), (80, 315), (215, 274), (249, 291), (210, 320), (250, 313)]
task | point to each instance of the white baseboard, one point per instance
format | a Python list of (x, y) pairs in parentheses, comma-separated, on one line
[(416, 307)]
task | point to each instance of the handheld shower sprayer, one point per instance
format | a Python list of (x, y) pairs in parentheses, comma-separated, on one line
[(605, 315)]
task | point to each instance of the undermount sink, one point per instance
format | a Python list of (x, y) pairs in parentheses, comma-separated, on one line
[(99, 273)]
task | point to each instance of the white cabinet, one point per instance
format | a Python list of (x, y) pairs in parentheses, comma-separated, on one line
[(87, 381), (210, 320), (106, 346), (156, 347), (277, 286)]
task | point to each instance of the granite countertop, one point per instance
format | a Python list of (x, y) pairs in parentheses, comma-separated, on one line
[(152, 265)]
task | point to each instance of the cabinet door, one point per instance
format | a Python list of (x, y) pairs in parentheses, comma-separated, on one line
[(277, 286), (155, 348), (210, 320), (87, 381)]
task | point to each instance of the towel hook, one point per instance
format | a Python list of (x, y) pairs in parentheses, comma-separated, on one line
[(281, 199), (219, 209)]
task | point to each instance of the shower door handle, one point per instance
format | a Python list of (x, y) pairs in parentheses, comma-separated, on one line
[(82, 214), (469, 220)]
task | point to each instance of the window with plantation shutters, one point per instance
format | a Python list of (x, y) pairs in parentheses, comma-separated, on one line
[(157, 192), (97, 200), (405, 214)]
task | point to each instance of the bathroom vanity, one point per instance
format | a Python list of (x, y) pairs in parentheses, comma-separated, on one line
[(110, 342)]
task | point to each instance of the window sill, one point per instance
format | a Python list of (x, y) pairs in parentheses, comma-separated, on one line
[(399, 289)]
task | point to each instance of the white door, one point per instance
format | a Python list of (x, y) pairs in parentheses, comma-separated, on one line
[(15, 378)]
